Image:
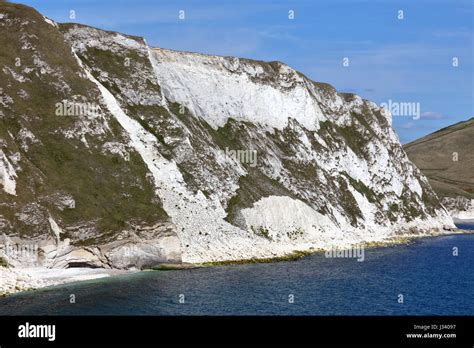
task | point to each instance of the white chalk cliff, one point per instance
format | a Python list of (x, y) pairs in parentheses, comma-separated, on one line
[(162, 187)]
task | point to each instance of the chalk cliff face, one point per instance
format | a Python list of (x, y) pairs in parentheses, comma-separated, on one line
[(117, 154)]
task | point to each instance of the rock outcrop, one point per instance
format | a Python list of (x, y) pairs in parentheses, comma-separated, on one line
[(116, 154)]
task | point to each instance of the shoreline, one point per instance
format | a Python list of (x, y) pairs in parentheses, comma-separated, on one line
[(17, 280), (299, 254), (469, 221), (34, 278)]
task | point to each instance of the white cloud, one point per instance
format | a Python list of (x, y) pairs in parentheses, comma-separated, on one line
[(408, 125), (432, 115)]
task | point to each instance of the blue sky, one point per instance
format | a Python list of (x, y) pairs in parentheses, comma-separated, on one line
[(407, 60)]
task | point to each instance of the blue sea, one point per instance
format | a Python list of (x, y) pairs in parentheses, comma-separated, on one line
[(432, 276)]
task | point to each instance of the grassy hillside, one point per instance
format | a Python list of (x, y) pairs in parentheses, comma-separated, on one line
[(446, 157), (62, 156)]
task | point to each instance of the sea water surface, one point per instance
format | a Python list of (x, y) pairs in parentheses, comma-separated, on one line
[(432, 280)]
